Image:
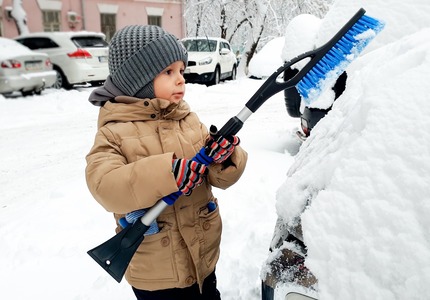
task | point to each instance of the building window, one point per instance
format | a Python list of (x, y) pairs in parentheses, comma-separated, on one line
[(154, 20), (108, 25), (51, 20)]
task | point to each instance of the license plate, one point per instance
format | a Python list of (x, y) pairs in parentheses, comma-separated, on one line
[(33, 65), (103, 59)]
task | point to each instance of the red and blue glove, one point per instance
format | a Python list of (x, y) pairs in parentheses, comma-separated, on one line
[(220, 148), (132, 217), (188, 174)]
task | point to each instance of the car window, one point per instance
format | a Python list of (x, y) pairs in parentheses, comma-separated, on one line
[(89, 41), (225, 45), (200, 45), (38, 43)]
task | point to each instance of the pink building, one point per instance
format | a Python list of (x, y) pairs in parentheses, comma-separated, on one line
[(105, 16)]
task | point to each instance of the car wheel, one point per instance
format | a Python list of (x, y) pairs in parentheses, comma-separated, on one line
[(217, 76), (233, 73), (61, 80), (27, 93)]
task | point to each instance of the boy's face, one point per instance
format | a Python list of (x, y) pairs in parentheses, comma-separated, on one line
[(170, 83)]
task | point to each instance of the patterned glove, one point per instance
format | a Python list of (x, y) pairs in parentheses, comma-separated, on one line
[(133, 216), (188, 174), (220, 148)]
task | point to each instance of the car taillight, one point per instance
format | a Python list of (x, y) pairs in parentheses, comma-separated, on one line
[(10, 64), (306, 131), (305, 127), (80, 53), (48, 63)]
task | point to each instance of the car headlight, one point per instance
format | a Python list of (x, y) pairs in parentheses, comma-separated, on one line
[(205, 61)]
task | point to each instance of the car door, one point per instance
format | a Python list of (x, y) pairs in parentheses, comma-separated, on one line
[(226, 57)]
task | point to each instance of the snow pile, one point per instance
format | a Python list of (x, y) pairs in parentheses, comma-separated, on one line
[(268, 59), (300, 36), (402, 18)]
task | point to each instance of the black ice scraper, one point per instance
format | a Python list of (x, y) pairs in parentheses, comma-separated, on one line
[(325, 63)]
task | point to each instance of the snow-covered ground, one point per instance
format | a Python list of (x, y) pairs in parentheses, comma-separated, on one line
[(366, 168)]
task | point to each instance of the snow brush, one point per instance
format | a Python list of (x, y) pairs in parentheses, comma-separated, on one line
[(326, 63)]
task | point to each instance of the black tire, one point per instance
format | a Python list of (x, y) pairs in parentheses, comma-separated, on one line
[(233, 73), (61, 80), (217, 76), (27, 93)]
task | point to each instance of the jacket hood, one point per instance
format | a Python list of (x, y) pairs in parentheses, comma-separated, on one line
[(130, 109)]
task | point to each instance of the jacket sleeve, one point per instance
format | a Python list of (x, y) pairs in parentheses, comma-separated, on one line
[(223, 177), (121, 187)]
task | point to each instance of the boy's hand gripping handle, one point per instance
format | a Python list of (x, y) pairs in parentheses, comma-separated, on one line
[(202, 158)]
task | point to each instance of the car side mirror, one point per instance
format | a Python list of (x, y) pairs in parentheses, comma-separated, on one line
[(224, 51)]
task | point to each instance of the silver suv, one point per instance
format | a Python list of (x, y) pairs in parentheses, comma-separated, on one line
[(77, 57), (209, 60)]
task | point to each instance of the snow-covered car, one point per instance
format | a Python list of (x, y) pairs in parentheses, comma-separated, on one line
[(285, 265), (77, 57), (209, 60), (23, 70)]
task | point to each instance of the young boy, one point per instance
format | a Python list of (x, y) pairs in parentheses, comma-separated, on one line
[(142, 152)]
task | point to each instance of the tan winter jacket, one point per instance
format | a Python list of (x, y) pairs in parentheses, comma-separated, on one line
[(130, 167)]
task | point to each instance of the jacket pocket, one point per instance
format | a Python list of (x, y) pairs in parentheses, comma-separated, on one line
[(153, 260), (211, 225)]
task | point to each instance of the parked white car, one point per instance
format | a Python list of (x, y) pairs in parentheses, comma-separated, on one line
[(209, 60), (23, 70), (78, 57)]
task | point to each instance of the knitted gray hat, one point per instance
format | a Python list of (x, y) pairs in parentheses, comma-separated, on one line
[(138, 53)]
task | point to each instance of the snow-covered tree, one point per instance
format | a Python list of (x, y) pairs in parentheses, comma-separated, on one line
[(19, 15), (247, 24)]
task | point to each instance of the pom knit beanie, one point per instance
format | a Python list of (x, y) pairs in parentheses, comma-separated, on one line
[(138, 53)]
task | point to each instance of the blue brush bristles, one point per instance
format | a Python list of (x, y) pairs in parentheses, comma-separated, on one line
[(334, 62)]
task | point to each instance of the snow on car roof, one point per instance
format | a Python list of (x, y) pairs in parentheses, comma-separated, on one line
[(62, 33), (10, 48)]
